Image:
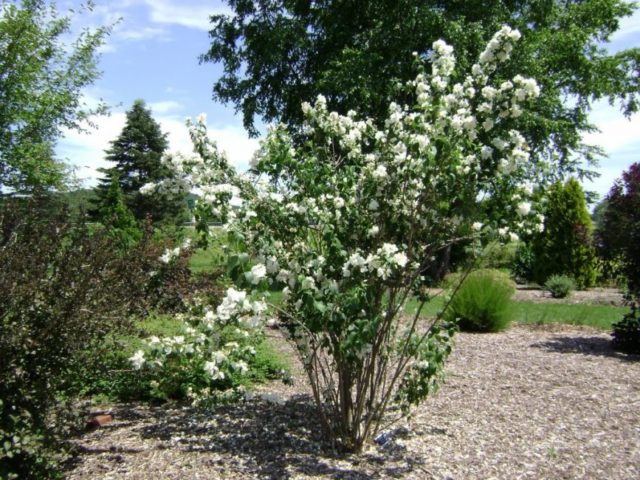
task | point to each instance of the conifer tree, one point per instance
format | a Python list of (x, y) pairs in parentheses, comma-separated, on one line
[(137, 154), (118, 219), (565, 245)]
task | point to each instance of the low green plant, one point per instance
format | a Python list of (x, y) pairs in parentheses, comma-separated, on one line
[(482, 302), (626, 332), (560, 286)]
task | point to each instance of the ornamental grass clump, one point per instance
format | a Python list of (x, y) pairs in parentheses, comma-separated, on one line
[(347, 214), (482, 303)]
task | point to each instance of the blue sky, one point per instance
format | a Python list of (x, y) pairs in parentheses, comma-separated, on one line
[(153, 54)]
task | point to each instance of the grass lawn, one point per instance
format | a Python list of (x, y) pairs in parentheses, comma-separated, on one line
[(597, 316)]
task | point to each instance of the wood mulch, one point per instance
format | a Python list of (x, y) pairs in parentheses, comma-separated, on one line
[(552, 402)]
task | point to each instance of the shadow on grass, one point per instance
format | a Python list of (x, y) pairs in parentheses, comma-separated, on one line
[(267, 439), (596, 345)]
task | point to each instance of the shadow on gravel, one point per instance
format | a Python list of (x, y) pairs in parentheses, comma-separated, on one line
[(598, 346), (269, 439)]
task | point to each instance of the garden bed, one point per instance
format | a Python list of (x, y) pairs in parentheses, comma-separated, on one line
[(533, 402)]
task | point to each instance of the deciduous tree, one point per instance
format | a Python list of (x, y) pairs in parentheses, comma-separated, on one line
[(41, 80), (278, 54)]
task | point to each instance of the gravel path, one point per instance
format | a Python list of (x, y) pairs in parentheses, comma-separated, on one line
[(553, 403)]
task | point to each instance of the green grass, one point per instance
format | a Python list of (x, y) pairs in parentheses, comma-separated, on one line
[(207, 260), (597, 316)]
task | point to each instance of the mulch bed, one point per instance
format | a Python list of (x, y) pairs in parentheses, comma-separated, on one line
[(533, 402)]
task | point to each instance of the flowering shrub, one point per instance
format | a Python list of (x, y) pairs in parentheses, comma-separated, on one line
[(347, 216), (212, 358)]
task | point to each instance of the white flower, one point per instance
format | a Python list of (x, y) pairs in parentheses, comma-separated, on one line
[(400, 259), (373, 231), (218, 357), (257, 273), (241, 366), (272, 265), (477, 226), (486, 152), (147, 188), (214, 372), (373, 204), (137, 360), (380, 172), (513, 237), (308, 283), (276, 197), (524, 208)]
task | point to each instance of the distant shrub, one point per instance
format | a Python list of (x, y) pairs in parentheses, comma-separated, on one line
[(626, 333), (483, 302), (498, 255), (523, 263), (559, 286)]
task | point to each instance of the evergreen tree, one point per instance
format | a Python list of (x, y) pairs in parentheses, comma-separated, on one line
[(137, 153), (565, 246), (118, 219)]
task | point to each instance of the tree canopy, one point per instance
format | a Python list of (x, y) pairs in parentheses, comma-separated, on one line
[(278, 54), (42, 76)]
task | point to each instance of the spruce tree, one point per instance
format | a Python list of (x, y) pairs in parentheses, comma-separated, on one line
[(565, 245), (137, 154)]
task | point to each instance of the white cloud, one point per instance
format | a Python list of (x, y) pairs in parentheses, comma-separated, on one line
[(86, 151), (628, 26), (617, 133), (233, 140), (620, 139), (142, 33), (183, 13), (164, 107)]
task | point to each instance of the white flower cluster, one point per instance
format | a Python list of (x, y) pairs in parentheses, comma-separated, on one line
[(169, 254), (385, 260), (199, 346)]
